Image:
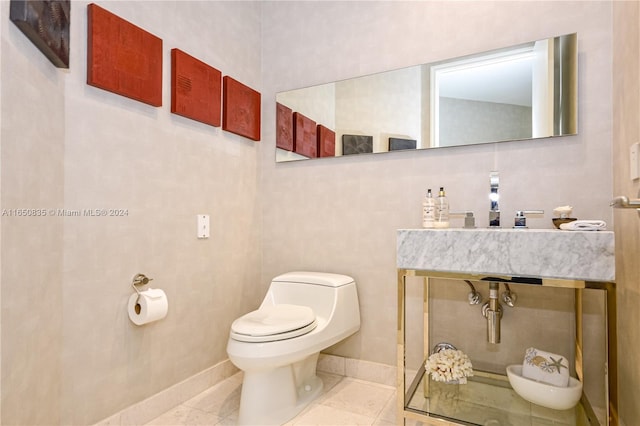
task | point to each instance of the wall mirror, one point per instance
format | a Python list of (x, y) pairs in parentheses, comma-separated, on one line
[(517, 93)]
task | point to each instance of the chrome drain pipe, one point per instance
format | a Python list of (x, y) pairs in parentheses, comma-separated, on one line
[(492, 311)]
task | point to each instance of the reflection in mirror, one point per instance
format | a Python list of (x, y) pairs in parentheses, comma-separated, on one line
[(522, 92)]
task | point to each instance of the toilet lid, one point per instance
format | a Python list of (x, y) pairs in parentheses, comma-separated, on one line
[(276, 322)]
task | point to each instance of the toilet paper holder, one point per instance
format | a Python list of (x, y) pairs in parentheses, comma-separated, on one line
[(146, 305), (139, 279)]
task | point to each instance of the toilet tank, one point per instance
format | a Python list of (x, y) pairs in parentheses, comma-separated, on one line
[(323, 292)]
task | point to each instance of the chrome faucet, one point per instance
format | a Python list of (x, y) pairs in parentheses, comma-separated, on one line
[(494, 211)]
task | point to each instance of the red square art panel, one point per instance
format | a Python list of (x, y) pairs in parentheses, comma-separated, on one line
[(123, 58), (326, 142), (304, 136), (284, 127), (241, 109), (196, 89)]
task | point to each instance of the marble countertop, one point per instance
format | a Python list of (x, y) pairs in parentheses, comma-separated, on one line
[(536, 253)]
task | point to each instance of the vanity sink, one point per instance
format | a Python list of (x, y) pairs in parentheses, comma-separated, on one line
[(534, 253)]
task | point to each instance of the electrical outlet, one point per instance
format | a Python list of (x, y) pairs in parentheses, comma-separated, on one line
[(203, 226)]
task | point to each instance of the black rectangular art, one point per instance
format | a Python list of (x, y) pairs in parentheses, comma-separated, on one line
[(396, 144), (46, 24), (356, 144)]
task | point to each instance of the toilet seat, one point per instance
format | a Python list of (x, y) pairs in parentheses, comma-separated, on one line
[(275, 322)]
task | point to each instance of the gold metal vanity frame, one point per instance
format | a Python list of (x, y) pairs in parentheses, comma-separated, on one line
[(578, 286)]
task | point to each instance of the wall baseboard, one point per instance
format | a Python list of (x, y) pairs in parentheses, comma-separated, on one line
[(383, 374), (156, 405), (146, 410)]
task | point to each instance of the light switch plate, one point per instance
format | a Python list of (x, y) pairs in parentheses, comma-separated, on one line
[(203, 226), (634, 157)]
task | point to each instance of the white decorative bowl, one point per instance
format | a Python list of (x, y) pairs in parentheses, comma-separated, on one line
[(550, 396)]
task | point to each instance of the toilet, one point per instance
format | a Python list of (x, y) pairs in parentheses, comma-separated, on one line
[(277, 345)]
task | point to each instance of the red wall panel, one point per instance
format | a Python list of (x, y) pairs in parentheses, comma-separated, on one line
[(123, 58), (196, 89), (284, 127), (326, 142), (241, 109), (304, 136)]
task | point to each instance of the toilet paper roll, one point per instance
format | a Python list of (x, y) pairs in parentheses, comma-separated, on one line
[(151, 305)]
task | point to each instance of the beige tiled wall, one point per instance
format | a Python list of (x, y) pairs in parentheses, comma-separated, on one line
[(70, 355), (342, 214), (32, 169)]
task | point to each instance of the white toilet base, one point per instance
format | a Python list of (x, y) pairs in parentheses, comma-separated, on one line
[(276, 396)]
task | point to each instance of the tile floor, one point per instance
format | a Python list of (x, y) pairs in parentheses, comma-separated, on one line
[(345, 401)]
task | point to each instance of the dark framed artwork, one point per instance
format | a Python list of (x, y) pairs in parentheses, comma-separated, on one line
[(196, 89), (241, 109), (397, 144), (356, 144), (305, 141), (46, 24), (123, 58), (284, 127), (326, 141)]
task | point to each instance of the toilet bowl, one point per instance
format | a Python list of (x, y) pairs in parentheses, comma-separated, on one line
[(277, 345)]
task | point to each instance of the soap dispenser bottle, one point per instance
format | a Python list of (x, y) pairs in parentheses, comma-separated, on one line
[(442, 210), (428, 210)]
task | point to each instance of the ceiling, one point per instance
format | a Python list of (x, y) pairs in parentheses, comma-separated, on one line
[(507, 80)]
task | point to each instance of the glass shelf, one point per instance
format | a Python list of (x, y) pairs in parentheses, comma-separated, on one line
[(487, 399)]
